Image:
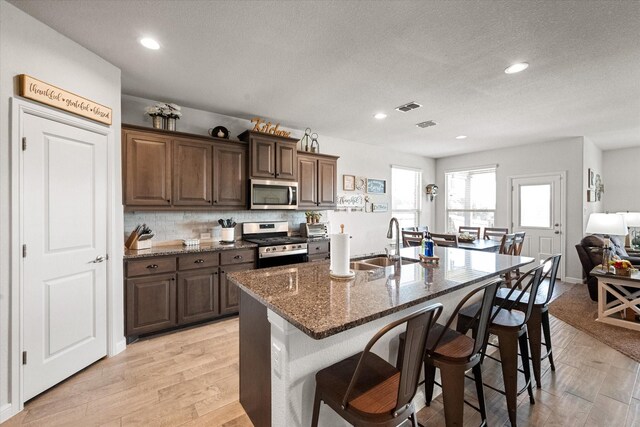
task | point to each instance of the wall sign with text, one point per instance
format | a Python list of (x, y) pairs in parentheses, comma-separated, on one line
[(53, 96)]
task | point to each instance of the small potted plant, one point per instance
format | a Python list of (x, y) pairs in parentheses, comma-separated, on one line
[(316, 217), (171, 112), (309, 216), (156, 115), (622, 267)]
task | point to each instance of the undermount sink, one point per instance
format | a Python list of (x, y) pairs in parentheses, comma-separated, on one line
[(384, 261), (359, 265)]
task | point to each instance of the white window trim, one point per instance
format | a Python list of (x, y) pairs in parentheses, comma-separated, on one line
[(418, 211), (446, 190)]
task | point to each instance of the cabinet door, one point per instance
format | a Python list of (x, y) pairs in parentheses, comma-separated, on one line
[(230, 176), (327, 182), (192, 173), (307, 181), (147, 167), (229, 294), (263, 158), (151, 304), (197, 295), (286, 160)]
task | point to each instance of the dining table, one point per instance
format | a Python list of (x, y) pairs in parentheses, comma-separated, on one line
[(480, 245)]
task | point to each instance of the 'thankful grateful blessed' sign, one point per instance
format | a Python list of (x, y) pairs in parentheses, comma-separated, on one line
[(55, 97), (268, 127)]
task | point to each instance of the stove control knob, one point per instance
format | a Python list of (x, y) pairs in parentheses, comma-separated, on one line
[(268, 250), (274, 249)]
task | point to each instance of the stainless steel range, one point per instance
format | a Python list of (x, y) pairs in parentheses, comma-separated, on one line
[(275, 247)]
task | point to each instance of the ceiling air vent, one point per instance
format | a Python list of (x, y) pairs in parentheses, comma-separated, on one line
[(408, 107), (426, 124)]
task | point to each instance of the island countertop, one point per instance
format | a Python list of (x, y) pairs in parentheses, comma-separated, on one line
[(320, 306)]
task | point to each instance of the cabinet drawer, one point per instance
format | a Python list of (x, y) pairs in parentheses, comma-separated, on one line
[(237, 257), (201, 260), (318, 257), (148, 266), (317, 247)]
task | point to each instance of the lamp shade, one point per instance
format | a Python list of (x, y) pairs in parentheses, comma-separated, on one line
[(607, 224), (631, 218)]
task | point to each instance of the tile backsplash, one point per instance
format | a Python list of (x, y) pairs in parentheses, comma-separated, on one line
[(169, 226)]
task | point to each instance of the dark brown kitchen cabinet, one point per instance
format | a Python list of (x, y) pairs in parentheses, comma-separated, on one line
[(198, 295), (146, 169), (192, 173), (317, 180), (271, 157), (230, 176), (151, 303), (229, 292)]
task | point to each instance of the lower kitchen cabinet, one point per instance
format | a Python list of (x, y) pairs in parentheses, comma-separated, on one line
[(229, 293), (318, 251), (198, 295), (164, 292), (151, 304)]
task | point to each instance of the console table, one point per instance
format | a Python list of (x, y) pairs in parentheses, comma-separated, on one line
[(625, 289)]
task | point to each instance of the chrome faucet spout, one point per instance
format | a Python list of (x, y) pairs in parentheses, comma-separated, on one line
[(393, 221)]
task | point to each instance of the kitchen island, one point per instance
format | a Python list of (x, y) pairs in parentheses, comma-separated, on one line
[(296, 320)]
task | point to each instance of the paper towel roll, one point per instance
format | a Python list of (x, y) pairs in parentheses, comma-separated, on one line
[(340, 254)]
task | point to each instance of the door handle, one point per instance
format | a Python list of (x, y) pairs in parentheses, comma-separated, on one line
[(99, 259), (556, 232)]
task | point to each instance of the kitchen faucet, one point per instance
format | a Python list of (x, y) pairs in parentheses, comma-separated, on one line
[(390, 235)]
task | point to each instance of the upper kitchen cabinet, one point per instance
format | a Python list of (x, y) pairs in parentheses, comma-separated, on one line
[(271, 157), (146, 169), (230, 176), (192, 171), (317, 180), (177, 171)]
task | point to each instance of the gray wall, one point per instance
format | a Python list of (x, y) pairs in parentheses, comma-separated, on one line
[(621, 178), (29, 47), (556, 156)]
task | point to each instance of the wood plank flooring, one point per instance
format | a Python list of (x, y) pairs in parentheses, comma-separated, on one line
[(190, 378)]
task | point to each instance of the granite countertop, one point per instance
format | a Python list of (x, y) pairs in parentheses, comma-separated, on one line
[(308, 298), (181, 249)]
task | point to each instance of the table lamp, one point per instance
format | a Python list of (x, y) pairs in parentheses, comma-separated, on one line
[(633, 221), (607, 225)]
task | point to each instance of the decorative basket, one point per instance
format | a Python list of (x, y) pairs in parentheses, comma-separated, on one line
[(622, 271), (462, 239)]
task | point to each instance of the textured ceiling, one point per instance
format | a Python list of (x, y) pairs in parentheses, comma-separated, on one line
[(332, 65)]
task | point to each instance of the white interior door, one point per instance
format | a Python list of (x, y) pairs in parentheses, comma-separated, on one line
[(537, 210), (64, 228)]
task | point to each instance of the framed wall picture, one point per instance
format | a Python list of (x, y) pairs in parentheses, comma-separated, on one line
[(348, 182), (379, 207), (361, 183), (590, 178), (591, 196), (376, 186)]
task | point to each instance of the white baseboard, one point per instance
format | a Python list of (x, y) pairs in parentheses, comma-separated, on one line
[(7, 411), (120, 347), (573, 280)]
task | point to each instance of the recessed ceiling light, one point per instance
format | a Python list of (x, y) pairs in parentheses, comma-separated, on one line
[(380, 116), (516, 68), (461, 137), (150, 43)]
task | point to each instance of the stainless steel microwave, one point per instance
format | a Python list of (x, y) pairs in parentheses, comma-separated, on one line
[(267, 194)]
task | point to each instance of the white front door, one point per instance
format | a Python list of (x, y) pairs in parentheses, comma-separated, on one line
[(64, 205), (537, 210)]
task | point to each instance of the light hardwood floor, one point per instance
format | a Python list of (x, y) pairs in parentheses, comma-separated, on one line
[(190, 378)]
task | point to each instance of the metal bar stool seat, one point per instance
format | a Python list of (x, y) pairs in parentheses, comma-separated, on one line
[(366, 390), (538, 322)]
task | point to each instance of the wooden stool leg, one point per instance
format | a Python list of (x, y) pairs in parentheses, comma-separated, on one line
[(534, 326), (453, 394), (547, 337), (477, 375), (429, 382), (508, 345), (316, 410), (524, 352)]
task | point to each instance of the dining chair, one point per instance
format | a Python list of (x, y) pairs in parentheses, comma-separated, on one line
[(448, 240), (422, 228), (412, 238), (494, 233), (366, 390), (538, 322), (510, 326), (408, 229), (518, 243), (454, 353), (474, 231)]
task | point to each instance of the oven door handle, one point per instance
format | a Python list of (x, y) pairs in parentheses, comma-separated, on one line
[(277, 254)]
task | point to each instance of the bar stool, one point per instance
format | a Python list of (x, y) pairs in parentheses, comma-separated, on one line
[(366, 390), (454, 353), (539, 315), (510, 326)]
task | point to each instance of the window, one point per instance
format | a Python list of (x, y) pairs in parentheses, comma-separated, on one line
[(406, 196), (471, 198)]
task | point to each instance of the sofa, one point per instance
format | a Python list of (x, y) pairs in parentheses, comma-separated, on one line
[(590, 254)]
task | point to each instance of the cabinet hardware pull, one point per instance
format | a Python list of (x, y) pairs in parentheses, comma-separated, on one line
[(152, 266), (237, 257), (168, 200), (208, 201), (221, 271), (173, 278), (317, 248), (215, 201), (199, 261)]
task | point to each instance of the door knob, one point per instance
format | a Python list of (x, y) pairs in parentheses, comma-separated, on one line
[(99, 259)]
